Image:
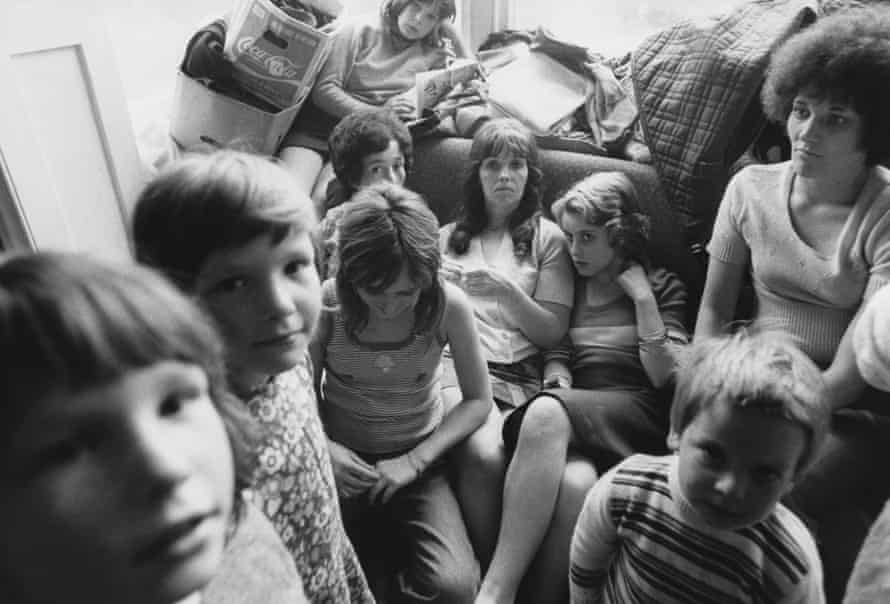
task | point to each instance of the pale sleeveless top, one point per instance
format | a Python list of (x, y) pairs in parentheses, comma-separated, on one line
[(382, 397)]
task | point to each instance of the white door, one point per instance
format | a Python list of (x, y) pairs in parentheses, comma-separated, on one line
[(68, 158)]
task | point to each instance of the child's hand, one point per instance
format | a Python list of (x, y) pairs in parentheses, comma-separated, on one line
[(352, 474), (634, 281), (402, 106), (394, 474)]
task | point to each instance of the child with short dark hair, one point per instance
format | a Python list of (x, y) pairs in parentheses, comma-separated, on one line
[(123, 453), (367, 147), (705, 524), (235, 231)]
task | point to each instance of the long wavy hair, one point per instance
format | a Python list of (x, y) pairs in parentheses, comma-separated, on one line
[(492, 139), (609, 200), (388, 229)]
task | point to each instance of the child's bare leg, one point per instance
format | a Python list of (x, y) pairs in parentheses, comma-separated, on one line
[(479, 478), (320, 189), (304, 164), (530, 493), (548, 578)]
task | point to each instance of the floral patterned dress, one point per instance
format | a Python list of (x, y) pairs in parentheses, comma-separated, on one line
[(295, 489)]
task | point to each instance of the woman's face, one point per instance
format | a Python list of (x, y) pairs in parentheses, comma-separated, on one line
[(503, 179), (393, 302), (120, 493), (589, 247), (418, 19), (265, 298), (826, 138)]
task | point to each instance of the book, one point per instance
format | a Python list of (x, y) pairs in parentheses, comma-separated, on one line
[(538, 91)]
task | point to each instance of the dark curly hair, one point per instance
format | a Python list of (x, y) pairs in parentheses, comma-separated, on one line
[(845, 57), (492, 139), (391, 9), (361, 134), (609, 200), (387, 229)]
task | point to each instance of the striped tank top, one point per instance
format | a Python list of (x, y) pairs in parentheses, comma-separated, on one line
[(379, 397)]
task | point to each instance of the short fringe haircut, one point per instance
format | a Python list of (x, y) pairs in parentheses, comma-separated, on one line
[(69, 323), (765, 372), (391, 9), (212, 202), (361, 134)]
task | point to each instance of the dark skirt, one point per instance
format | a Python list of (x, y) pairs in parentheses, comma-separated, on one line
[(610, 421)]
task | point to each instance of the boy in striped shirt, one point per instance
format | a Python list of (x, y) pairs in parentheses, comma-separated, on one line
[(705, 525)]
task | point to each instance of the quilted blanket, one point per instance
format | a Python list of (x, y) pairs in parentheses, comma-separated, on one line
[(696, 87)]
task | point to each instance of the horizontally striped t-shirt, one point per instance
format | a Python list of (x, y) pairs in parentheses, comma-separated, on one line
[(638, 541), (605, 335), (381, 398)]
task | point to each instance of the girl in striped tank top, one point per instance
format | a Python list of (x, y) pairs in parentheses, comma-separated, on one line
[(379, 349)]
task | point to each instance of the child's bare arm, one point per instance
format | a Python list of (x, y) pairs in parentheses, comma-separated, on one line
[(472, 375), (329, 92), (593, 545)]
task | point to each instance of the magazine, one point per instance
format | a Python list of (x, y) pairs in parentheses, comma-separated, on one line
[(537, 90)]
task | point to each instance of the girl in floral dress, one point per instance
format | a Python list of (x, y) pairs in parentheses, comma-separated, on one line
[(233, 230)]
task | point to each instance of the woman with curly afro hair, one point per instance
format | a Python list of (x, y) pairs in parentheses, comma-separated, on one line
[(814, 232)]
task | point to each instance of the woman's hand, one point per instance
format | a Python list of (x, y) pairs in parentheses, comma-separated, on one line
[(635, 282), (487, 282), (352, 475), (394, 474)]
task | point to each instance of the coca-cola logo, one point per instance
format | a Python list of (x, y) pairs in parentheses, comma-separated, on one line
[(277, 66)]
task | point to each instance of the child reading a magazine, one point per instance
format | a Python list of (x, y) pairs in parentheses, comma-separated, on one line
[(372, 62)]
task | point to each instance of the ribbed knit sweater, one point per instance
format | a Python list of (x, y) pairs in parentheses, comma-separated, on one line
[(812, 296)]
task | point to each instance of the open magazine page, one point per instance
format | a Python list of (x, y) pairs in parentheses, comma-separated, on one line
[(537, 90), (432, 86)]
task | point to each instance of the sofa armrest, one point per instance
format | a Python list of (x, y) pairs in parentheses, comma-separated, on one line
[(441, 166)]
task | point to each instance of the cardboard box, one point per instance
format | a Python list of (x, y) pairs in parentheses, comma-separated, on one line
[(274, 56), (202, 115)]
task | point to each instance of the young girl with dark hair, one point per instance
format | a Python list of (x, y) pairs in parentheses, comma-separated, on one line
[(602, 397), (379, 348)]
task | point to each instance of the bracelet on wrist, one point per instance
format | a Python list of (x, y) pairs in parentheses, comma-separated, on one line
[(415, 462), (659, 338), (560, 381)]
